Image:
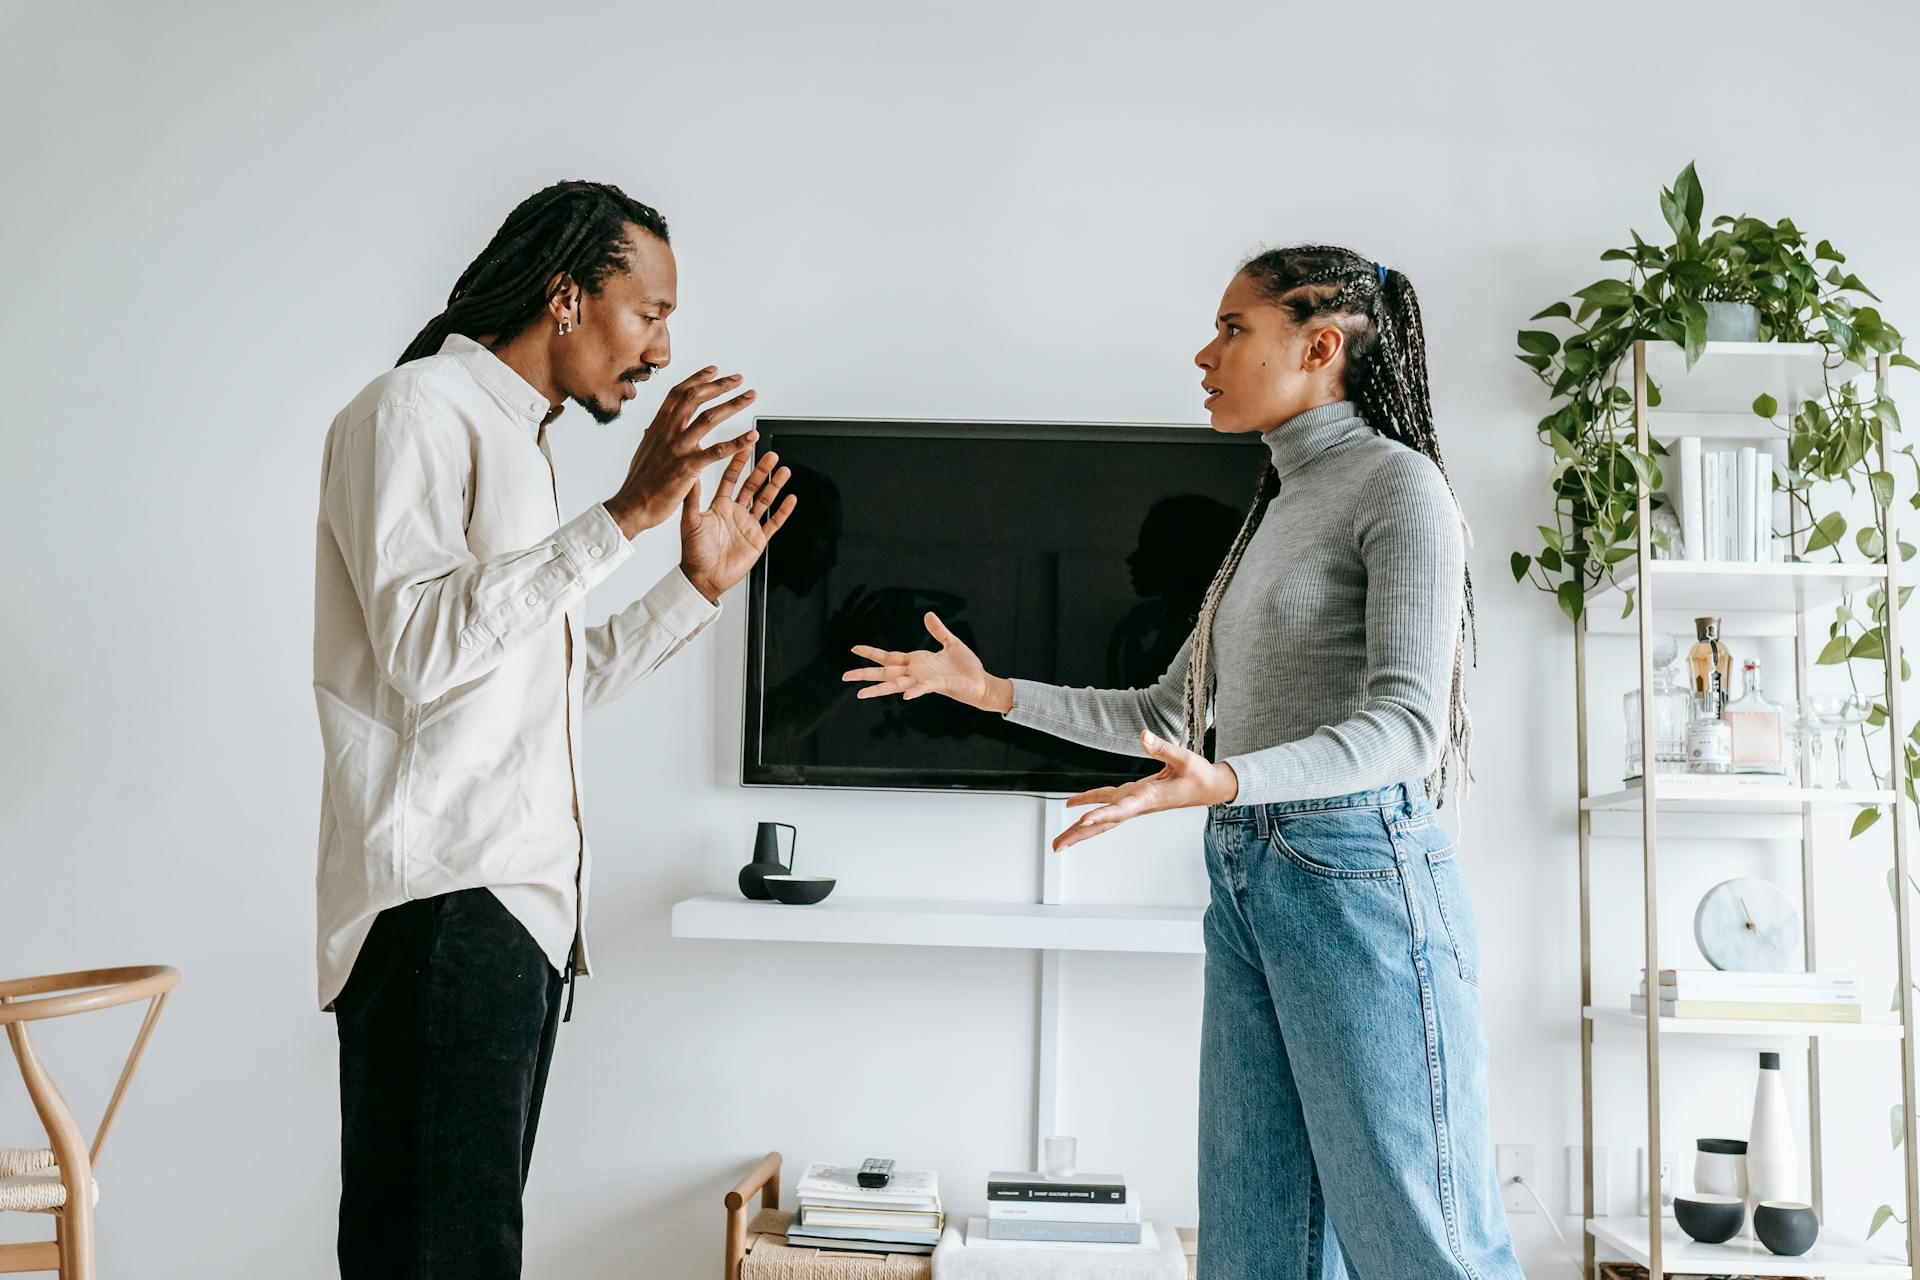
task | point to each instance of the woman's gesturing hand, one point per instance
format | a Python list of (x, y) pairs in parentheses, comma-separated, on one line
[(1186, 778), (954, 671)]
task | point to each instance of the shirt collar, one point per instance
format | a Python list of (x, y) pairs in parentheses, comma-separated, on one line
[(514, 392), (1305, 436)]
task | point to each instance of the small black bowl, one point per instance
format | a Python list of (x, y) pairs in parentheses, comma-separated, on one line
[(1787, 1227), (1710, 1219), (800, 891)]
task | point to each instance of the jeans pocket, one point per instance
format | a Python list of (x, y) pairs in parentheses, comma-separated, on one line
[(1336, 844), (1456, 913)]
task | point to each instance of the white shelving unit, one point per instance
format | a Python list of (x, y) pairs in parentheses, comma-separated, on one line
[(1834, 1256), (1048, 926), (918, 923), (1743, 1029), (1714, 400)]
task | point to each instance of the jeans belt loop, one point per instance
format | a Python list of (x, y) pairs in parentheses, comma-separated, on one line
[(1261, 823)]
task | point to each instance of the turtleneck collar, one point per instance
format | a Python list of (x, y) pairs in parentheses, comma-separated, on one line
[(1305, 436)]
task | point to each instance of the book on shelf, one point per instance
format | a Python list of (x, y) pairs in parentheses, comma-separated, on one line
[(1751, 1010), (1723, 500), (812, 1214), (1716, 984), (979, 1237), (1757, 995), (1692, 522), (882, 1235), (1054, 1211), (800, 1240), (839, 1185), (1081, 1188), (1065, 1232)]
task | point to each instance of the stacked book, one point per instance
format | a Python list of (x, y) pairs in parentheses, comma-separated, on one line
[(836, 1212), (1082, 1210), (1772, 997), (1723, 500)]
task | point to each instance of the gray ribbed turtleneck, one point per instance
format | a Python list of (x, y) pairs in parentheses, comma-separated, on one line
[(1334, 643)]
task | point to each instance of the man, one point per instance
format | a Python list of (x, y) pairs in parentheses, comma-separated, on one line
[(451, 669)]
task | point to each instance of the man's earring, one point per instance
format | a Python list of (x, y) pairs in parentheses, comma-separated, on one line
[(566, 326)]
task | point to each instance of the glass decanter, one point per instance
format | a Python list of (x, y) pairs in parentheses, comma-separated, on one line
[(1671, 711)]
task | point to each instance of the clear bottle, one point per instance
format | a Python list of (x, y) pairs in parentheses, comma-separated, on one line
[(1758, 728), (1709, 739), (1671, 711)]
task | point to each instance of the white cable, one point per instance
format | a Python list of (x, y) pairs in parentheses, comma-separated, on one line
[(1552, 1226)]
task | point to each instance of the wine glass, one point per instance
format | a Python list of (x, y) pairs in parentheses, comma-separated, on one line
[(1828, 714), (1809, 731), (1850, 714)]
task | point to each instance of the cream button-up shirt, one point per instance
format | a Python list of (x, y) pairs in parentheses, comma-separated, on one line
[(450, 665)]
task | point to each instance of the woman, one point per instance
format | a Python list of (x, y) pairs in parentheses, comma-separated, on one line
[(1343, 1064)]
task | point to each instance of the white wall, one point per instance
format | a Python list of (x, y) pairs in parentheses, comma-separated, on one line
[(220, 220)]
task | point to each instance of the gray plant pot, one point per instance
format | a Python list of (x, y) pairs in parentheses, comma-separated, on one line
[(1732, 322), (1787, 1228)]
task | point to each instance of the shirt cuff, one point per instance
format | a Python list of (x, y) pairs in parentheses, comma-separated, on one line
[(677, 605), (593, 546)]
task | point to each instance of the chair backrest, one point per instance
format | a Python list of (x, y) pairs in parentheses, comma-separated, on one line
[(62, 995)]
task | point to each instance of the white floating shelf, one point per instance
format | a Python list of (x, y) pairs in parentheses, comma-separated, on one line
[(1743, 1028), (1703, 795), (1835, 1256), (922, 923), (1702, 587), (1729, 375)]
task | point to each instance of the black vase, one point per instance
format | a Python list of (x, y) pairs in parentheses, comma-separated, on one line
[(766, 860)]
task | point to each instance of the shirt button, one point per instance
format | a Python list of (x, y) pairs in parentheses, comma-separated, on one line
[(596, 552), (531, 598)]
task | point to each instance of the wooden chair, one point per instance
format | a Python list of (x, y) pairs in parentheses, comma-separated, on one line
[(58, 1179), (764, 1179)]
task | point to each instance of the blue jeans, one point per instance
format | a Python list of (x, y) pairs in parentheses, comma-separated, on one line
[(1343, 1066)]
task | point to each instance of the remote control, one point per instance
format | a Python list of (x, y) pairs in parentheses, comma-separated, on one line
[(876, 1173)]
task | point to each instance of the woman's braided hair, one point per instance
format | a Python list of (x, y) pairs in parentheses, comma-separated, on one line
[(1386, 377), (575, 229)]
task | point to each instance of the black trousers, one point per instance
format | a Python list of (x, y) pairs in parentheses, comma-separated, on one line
[(447, 1027)]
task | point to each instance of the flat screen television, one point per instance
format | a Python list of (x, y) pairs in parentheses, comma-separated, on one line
[(1066, 553)]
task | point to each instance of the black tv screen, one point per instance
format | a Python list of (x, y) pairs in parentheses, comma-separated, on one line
[(1070, 554)]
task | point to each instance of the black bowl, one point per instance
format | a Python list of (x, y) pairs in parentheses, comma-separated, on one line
[(1787, 1227), (1710, 1219), (800, 891)]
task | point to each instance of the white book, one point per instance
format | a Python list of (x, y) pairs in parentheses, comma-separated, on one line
[(1692, 522), (1734, 979), (1762, 506), (1729, 505), (839, 1186), (1746, 514), (1755, 995), (1044, 1211), (1710, 510), (977, 1238)]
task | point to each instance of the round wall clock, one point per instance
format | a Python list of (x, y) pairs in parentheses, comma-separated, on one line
[(1748, 924)]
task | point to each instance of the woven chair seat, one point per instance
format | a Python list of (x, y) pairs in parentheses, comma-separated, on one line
[(36, 1193), (24, 1160)]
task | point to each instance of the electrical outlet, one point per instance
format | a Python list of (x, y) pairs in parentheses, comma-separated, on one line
[(1515, 1160), (1666, 1182), (1602, 1182)]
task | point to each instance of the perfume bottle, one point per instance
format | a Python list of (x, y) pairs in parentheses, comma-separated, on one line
[(1710, 663), (1758, 728), (1671, 711), (1709, 737)]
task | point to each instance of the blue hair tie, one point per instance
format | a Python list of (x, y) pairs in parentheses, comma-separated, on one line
[(1381, 270)]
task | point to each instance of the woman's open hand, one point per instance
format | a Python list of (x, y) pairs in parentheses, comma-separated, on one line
[(1186, 778), (954, 671)]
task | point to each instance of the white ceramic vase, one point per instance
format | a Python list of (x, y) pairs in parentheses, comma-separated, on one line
[(1773, 1158)]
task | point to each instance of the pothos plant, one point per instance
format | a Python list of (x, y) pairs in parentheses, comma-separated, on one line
[(1803, 293)]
